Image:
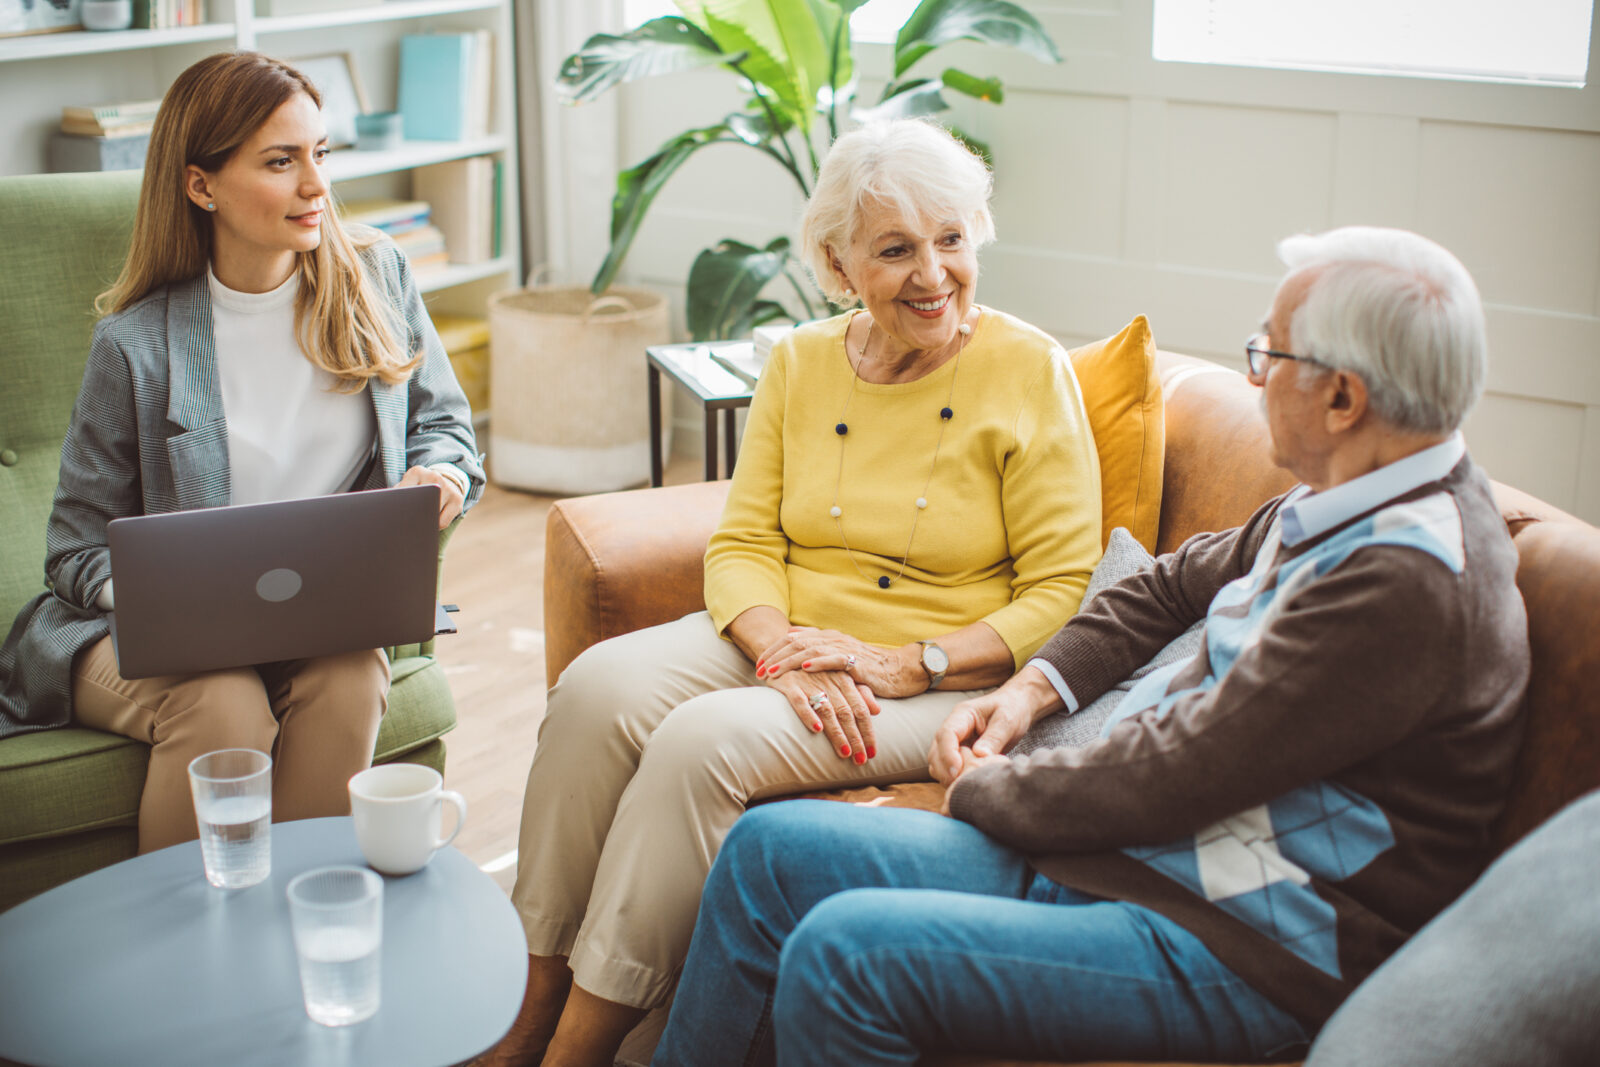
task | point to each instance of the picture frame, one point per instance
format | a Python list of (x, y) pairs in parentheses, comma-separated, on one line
[(19, 18), (343, 97)]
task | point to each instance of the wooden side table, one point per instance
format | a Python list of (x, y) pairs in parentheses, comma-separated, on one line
[(714, 386)]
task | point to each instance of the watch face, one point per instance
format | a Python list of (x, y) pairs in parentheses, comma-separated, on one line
[(935, 659)]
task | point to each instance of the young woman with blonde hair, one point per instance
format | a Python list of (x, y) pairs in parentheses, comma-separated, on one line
[(253, 349)]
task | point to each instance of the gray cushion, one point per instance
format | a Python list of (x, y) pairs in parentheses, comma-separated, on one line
[(1124, 557), (1508, 976)]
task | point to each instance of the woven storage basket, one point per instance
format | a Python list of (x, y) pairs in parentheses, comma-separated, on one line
[(567, 373)]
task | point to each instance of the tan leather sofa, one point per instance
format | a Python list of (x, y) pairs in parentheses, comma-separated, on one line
[(623, 561)]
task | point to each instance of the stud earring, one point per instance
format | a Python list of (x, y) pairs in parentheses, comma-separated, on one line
[(849, 294), (211, 207)]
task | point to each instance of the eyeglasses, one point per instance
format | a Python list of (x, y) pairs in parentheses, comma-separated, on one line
[(1256, 354)]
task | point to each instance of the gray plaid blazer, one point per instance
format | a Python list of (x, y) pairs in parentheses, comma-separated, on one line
[(148, 435)]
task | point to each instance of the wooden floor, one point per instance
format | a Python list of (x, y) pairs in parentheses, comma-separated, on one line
[(494, 570)]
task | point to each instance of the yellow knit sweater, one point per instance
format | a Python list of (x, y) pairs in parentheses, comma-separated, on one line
[(1012, 527)]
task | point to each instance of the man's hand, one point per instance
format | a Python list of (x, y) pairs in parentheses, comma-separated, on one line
[(991, 723), (970, 761), (450, 499)]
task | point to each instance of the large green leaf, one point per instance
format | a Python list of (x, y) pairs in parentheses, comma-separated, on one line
[(938, 22), (660, 46), (725, 286), (911, 99), (636, 190), (789, 45), (755, 128)]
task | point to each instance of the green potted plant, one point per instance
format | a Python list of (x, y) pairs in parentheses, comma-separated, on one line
[(795, 61)]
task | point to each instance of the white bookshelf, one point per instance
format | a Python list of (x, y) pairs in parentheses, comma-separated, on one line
[(40, 74), (82, 43)]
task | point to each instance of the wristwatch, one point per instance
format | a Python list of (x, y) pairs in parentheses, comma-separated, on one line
[(936, 661)]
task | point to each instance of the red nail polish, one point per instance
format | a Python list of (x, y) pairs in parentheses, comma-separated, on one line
[(816, 727), (844, 750), (871, 751), (861, 757), (759, 662), (806, 666)]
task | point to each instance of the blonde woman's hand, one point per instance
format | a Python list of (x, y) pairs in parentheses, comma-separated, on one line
[(833, 704), (885, 671), (450, 498)]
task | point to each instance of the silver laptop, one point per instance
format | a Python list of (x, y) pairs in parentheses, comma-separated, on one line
[(225, 587)]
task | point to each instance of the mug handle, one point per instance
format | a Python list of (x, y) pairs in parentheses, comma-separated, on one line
[(461, 816)]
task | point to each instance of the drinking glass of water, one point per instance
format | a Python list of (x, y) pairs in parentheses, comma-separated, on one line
[(337, 916), (233, 803)]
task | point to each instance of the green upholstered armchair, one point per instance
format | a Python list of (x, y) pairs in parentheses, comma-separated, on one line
[(69, 798)]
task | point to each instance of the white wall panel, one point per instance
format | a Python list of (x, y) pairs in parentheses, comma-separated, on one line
[(1588, 502), (1521, 208), (1066, 189), (1239, 179), (1530, 444), (1375, 171)]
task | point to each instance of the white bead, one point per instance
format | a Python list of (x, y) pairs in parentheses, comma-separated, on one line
[(922, 502), (963, 329), (836, 511)]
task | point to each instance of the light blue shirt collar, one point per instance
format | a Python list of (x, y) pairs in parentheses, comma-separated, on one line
[(1306, 514)]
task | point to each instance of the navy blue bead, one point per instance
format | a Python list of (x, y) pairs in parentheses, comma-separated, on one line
[(883, 583), (841, 429), (946, 414)]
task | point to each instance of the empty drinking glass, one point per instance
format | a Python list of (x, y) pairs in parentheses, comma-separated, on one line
[(233, 803), (337, 917)]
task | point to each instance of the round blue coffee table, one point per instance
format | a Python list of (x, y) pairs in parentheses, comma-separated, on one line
[(143, 962)]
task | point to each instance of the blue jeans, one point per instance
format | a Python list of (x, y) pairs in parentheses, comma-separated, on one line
[(830, 935)]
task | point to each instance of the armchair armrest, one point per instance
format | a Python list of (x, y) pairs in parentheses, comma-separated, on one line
[(619, 562)]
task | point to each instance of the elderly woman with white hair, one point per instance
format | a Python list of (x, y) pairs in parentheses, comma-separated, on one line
[(915, 508)]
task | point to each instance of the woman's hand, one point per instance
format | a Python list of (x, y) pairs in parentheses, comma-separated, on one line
[(450, 498), (832, 703), (885, 671)]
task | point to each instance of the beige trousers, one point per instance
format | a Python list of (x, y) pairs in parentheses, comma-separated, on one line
[(652, 745), (317, 717)]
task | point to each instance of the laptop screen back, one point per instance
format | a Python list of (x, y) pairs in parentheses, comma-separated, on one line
[(226, 587)]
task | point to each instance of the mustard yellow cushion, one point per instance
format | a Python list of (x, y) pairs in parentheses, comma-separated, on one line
[(1122, 393)]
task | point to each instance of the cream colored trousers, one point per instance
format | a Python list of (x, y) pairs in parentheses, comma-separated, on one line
[(318, 718), (653, 743)]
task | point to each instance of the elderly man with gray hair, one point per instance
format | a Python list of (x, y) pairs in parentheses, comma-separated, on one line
[(1259, 827)]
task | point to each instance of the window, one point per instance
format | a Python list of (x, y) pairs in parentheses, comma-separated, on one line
[(1543, 42)]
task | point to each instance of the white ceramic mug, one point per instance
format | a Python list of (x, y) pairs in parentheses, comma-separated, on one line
[(397, 809)]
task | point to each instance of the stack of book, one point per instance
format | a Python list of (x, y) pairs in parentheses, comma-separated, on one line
[(103, 137), (165, 14), (465, 194), (409, 223), (445, 84), (767, 335), (111, 120)]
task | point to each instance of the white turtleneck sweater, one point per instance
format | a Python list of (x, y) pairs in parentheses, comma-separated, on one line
[(291, 433)]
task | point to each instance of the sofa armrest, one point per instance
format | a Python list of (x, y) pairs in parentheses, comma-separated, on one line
[(618, 562)]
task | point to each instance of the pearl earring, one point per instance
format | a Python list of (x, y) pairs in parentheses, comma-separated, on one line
[(849, 294)]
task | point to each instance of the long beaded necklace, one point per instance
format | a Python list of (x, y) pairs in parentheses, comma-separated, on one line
[(842, 428)]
